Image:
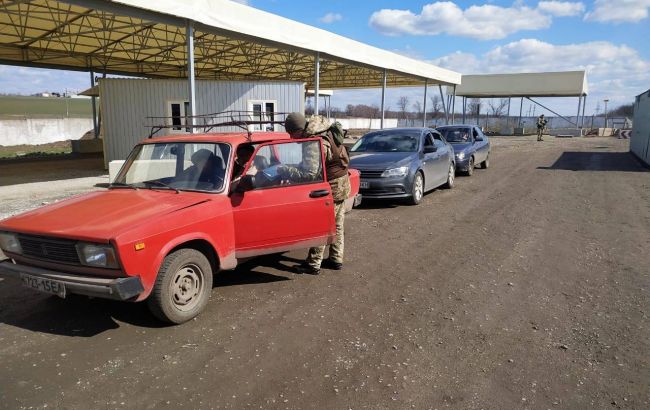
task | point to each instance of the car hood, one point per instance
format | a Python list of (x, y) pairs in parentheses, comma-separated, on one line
[(461, 147), (381, 160), (102, 215)]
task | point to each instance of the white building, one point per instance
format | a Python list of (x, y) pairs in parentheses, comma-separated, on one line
[(640, 140), (127, 106)]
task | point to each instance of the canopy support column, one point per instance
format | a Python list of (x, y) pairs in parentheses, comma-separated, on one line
[(464, 108), (584, 104), (578, 116), (190, 74), (424, 113), (444, 107), (94, 104), (316, 82), (383, 99), (521, 108), (508, 116), (453, 106)]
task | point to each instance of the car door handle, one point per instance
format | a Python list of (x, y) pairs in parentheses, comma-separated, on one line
[(319, 193)]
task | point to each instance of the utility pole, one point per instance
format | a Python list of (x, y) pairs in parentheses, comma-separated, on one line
[(606, 101)]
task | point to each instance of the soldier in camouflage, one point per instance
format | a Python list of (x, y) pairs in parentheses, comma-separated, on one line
[(336, 164), (541, 124)]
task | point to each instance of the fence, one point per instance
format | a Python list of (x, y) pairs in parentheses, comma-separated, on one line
[(506, 124), (20, 130)]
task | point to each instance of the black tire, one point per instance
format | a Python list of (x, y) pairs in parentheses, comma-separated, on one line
[(417, 190), (182, 288), (486, 164), (451, 176), (470, 167)]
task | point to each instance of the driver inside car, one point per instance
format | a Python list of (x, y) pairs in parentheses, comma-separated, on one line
[(206, 168)]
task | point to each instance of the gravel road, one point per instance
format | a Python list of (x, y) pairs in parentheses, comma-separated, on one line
[(524, 287)]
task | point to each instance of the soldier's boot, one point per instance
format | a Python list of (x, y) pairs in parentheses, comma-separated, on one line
[(330, 264)]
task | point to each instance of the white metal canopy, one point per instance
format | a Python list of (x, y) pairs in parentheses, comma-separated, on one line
[(526, 85), (550, 84), (230, 42)]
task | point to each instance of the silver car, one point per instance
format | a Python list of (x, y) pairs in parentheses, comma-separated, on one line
[(403, 163)]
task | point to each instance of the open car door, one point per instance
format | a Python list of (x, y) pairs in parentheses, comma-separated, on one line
[(287, 202)]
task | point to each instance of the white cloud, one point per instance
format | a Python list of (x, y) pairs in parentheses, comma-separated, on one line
[(331, 18), (485, 22), (246, 2), (614, 71), (619, 11), (561, 8)]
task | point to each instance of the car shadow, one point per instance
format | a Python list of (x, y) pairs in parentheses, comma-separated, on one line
[(76, 316), (597, 161), (248, 273), (80, 316), (369, 204)]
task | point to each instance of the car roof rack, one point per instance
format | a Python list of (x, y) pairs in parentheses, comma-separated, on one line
[(209, 122)]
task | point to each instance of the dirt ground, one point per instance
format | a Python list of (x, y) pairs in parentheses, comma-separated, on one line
[(524, 287)]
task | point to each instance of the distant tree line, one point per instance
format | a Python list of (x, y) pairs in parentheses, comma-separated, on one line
[(494, 108)]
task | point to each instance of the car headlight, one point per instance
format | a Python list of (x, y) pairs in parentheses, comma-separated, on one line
[(395, 172), (460, 155), (9, 243), (101, 256)]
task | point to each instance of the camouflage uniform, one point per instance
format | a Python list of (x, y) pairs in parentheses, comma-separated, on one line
[(310, 167), (541, 124), (340, 192)]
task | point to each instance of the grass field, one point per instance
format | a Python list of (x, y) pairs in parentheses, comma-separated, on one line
[(18, 151), (45, 106)]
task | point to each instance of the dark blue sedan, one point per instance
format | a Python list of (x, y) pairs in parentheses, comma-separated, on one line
[(403, 163), (471, 146)]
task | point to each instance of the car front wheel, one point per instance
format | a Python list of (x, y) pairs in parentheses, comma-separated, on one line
[(486, 164), (417, 192), (451, 175), (182, 287), (470, 167)]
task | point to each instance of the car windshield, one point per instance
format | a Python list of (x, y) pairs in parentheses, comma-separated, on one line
[(455, 134), (178, 166), (397, 141)]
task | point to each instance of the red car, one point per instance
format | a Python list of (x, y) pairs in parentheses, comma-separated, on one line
[(180, 209)]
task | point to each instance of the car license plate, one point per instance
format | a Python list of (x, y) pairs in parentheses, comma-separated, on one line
[(43, 285), (364, 184)]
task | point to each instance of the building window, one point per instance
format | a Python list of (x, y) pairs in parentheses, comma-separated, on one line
[(177, 112), (262, 111)]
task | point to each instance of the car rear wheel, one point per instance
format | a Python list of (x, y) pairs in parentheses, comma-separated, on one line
[(417, 192), (451, 176), (182, 288), (486, 164), (470, 167)]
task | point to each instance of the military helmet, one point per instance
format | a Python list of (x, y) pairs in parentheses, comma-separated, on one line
[(295, 122)]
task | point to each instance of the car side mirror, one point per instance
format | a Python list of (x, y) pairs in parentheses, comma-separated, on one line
[(429, 149)]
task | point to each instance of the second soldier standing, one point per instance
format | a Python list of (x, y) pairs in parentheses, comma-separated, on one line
[(336, 168), (541, 124)]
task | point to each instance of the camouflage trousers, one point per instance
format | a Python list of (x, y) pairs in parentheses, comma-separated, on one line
[(315, 256), (540, 133)]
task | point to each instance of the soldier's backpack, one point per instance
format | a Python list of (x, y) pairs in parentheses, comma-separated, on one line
[(319, 125)]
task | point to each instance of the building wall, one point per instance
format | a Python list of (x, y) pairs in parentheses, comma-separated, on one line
[(33, 131), (640, 139), (365, 123), (126, 104)]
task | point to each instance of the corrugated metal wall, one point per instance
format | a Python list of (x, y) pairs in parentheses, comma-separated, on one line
[(126, 104), (640, 139)]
